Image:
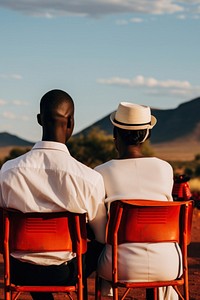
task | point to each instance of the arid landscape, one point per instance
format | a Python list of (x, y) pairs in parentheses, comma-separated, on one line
[(169, 151), (177, 151), (182, 150)]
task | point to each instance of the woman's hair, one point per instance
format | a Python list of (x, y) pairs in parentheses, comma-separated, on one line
[(132, 137)]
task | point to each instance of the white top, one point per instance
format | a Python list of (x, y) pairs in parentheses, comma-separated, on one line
[(48, 178), (139, 178)]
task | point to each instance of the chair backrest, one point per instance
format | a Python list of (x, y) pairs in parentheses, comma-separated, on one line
[(149, 221), (41, 232)]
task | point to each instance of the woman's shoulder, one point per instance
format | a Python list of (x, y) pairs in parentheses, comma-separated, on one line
[(104, 165), (162, 163)]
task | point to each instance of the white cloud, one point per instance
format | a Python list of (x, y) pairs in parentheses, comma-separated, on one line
[(19, 103), (121, 22), (191, 1), (9, 115), (132, 20), (181, 17), (25, 118), (92, 8), (2, 102), (145, 82), (16, 76), (196, 17), (13, 102), (152, 85), (174, 92), (11, 76), (137, 20), (12, 116)]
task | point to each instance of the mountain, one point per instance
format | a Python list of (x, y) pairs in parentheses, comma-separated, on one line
[(172, 125), (7, 139), (176, 135)]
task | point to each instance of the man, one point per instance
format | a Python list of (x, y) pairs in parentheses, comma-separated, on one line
[(48, 178)]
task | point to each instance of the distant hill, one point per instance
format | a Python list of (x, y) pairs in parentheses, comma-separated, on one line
[(7, 140), (172, 125), (175, 124), (176, 135)]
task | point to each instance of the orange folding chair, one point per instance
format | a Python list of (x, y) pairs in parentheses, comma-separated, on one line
[(41, 232), (150, 221)]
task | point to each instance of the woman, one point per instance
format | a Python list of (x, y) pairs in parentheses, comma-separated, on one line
[(131, 176)]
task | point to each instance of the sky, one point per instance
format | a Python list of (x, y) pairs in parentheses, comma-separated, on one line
[(101, 52)]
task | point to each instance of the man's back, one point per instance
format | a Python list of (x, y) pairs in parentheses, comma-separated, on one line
[(48, 178)]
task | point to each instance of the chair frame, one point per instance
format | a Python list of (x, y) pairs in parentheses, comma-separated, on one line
[(71, 227), (179, 218)]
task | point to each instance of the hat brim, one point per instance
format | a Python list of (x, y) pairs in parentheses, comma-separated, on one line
[(133, 127)]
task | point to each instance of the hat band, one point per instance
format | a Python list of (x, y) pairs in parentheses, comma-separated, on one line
[(120, 123)]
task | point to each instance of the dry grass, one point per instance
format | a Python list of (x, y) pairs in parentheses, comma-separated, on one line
[(172, 151), (195, 184), (177, 151), (4, 151)]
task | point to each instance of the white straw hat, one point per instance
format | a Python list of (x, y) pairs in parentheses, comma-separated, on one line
[(132, 116)]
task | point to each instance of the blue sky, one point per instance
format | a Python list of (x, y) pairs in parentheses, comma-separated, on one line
[(101, 52)]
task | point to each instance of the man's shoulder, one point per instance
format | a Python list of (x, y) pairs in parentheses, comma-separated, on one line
[(14, 162)]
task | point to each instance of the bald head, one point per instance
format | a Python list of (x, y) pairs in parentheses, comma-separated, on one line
[(52, 99), (56, 116)]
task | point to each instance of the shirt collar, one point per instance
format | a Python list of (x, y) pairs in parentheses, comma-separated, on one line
[(51, 145)]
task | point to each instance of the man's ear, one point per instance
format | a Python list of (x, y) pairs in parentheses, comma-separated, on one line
[(70, 128), (69, 122), (39, 119)]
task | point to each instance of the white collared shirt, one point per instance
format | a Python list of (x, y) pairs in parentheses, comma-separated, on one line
[(48, 178)]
